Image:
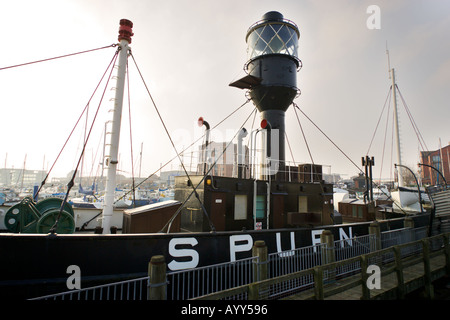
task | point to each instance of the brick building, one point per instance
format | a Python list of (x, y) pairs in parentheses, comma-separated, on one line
[(439, 159)]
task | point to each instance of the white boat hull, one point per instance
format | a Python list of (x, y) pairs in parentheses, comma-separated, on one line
[(407, 201)]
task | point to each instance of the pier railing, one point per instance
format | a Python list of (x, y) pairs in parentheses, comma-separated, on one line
[(191, 283), (327, 282)]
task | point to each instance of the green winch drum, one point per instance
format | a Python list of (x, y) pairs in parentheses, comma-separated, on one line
[(66, 223), (51, 203), (30, 217)]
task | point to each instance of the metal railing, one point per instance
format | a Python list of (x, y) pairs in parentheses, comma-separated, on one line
[(326, 283), (135, 289), (353, 247), (287, 262), (191, 283)]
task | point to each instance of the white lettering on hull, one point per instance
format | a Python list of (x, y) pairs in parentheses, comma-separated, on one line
[(235, 247), (179, 253), (188, 258), (282, 253)]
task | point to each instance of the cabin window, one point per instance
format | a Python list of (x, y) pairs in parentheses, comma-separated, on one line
[(302, 204), (360, 212), (240, 207), (260, 207), (354, 209)]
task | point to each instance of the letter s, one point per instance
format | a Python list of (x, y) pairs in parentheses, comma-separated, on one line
[(174, 252)]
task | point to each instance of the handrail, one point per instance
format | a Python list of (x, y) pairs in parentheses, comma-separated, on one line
[(318, 271)]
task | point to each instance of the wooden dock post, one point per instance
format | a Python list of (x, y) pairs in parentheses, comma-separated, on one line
[(364, 278), (429, 292), (318, 283), (408, 222), (399, 272), (260, 269), (328, 256), (157, 286), (374, 229), (328, 253)]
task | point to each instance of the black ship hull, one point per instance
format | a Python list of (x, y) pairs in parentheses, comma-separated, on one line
[(35, 265)]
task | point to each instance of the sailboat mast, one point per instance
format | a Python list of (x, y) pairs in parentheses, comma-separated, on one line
[(397, 131), (125, 34)]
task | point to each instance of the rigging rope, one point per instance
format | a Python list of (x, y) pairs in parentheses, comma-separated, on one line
[(171, 141), (376, 185), (184, 150), (303, 133), (71, 182), (376, 127), (131, 137), (385, 135), (58, 57), (289, 146), (413, 123), (330, 140), (76, 124)]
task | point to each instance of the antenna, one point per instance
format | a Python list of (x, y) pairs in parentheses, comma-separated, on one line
[(389, 62)]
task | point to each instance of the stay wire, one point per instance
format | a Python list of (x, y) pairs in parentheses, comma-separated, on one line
[(170, 160), (303, 133), (131, 137), (71, 182), (385, 137), (289, 146), (171, 141), (58, 57), (77, 122), (343, 152), (330, 140), (313, 171), (251, 130), (413, 123), (379, 119), (185, 149)]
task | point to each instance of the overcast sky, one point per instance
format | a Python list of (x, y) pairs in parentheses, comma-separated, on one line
[(189, 52)]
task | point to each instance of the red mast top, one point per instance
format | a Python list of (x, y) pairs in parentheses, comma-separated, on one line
[(125, 30)]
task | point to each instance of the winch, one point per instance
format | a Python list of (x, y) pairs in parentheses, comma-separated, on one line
[(29, 216)]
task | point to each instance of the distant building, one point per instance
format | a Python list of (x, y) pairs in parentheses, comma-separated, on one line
[(167, 178), (225, 160), (20, 177), (359, 182), (439, 159)]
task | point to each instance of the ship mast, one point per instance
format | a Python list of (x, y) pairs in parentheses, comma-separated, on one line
[(397, 131), (396, 127), (125, 34)]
